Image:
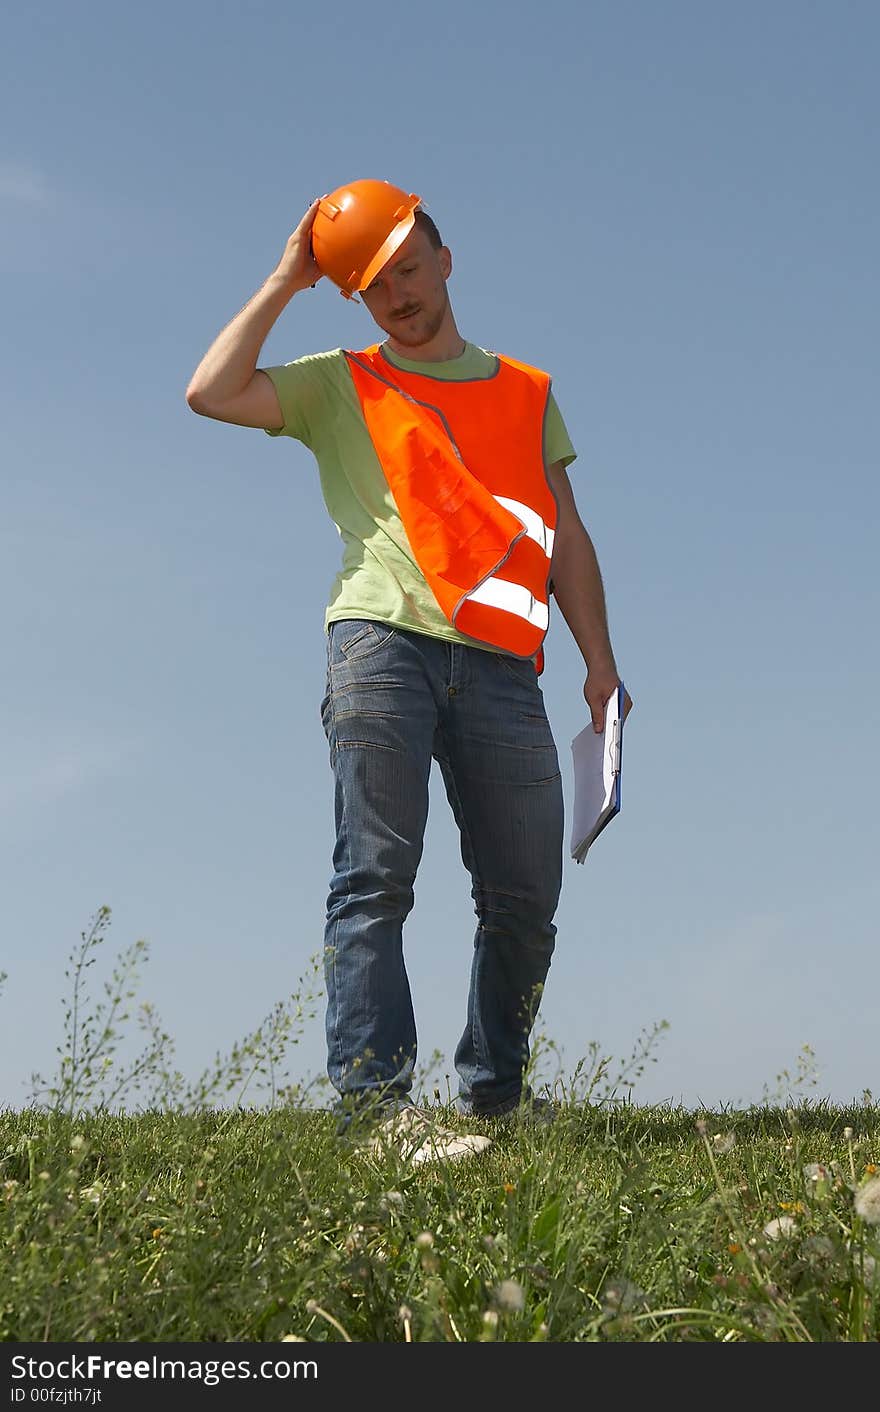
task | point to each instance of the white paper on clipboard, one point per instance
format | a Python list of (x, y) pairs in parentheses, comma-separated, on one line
[(597, 760)]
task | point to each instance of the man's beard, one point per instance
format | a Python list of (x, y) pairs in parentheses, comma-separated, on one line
[(423, 328)]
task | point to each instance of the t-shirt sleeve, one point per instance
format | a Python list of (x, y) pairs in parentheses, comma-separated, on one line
[(304, 388), (557, 442)]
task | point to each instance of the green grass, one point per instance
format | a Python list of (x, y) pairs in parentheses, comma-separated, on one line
[(630, 1224), (197, 1218)]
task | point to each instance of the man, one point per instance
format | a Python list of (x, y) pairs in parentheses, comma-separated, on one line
[(443, 467)]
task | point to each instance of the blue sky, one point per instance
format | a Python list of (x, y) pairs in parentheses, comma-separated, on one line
[(674, 210)]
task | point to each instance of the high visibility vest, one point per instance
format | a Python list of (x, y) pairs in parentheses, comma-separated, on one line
[(465, 464)]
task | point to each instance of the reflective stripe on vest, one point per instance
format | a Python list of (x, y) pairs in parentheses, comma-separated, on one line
[(512, 598), (534, 526), (465, 464)]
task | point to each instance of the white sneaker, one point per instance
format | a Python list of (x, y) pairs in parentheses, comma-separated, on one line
[(416, 1138)]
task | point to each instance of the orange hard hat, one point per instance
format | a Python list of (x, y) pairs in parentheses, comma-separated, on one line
[(357, 229)]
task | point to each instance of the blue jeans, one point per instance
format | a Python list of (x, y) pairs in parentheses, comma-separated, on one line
[(394, 701)]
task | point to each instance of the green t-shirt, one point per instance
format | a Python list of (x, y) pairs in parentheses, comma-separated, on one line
[(379, 578)]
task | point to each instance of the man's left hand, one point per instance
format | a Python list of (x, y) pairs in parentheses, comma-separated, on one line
[(597, 690)]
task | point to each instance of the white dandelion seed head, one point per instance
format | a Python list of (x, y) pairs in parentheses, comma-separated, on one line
[(510, 1295), (621, 1295), (822, 1247), (77, 1142), (780, 1226), (867, 1202), (724, 1142), (490, 1318), (848, 1134), (424, 1240)]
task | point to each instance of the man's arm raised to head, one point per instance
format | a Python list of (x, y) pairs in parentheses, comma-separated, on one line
[(256, 405), (227, 385)]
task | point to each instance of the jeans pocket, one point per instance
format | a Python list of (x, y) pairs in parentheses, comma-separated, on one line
[(522, 669), (353, 639), (325, 707)]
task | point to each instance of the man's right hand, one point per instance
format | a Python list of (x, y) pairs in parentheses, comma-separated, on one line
[(227, 385), (297, 267)]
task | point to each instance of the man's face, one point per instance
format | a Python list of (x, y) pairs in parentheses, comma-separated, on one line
[(408, 298)]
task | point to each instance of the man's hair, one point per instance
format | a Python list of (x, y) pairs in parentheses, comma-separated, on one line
[(424, 222)]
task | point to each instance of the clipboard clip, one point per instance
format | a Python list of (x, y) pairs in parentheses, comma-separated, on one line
[(614, 747)]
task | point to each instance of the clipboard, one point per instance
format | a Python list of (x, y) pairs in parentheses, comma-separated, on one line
[(597, 758)]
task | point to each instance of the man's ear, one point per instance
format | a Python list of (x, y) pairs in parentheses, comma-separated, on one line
[(445, 256)]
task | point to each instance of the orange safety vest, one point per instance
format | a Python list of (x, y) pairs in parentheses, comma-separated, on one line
[(465, 463)]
